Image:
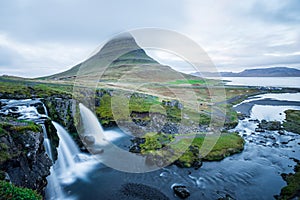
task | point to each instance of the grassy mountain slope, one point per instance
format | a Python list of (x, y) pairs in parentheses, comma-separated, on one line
[(121, 58)]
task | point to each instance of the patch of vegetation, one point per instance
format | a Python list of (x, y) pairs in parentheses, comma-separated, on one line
[(204, 119), (4, 154), (190, 81), (9, 191), (19, 126), (116, 108), (292, 190), (19, 88), (155, 142), (292, 121), (226, 145)]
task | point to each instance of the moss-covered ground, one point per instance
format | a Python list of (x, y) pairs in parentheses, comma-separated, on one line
[(292, 121)]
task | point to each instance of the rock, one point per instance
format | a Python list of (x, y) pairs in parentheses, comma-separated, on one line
[(89, 140), (254, 120), (95, 150), (26, 163), (197, 164), (181, 191), (281, 132), (227, 197), (270, 125), (135, 149), (259, 130)]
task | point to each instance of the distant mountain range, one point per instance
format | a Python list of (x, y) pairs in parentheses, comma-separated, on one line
[(262, 72)]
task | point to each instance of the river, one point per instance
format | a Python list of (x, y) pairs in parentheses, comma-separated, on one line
[(252, 174)]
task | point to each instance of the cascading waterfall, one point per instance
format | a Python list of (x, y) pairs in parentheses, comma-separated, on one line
[(70, 165)]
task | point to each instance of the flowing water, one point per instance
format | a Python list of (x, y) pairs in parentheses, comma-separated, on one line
[(252, 174)]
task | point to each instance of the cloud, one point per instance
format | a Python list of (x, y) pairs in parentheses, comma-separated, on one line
[(32, 60), (240, 35), (44, 37)]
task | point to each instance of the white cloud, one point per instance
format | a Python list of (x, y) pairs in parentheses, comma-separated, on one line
[(236, 36), (44, 37), (40, 59)]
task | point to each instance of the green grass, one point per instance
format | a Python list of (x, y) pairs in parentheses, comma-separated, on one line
[(11, 192), (292, 121), (22, 127), (188, 150), (155, 142), (292, 189), (226, 145), (27, 88), (190, 81)]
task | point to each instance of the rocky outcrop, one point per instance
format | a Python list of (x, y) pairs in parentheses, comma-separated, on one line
[(61, 109), (23, 158)]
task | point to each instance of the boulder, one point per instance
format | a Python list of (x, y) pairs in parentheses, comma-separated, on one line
[(89, 140), (181, 191)]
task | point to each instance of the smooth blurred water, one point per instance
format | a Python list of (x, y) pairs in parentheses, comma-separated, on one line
[(252, 174), (291, 82)]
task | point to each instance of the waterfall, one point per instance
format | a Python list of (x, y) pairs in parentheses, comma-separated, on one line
[(111, 155), (70, 165), (47, 143), (45, 109)]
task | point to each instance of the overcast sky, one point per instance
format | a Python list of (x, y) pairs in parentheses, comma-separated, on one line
[(45, 37)]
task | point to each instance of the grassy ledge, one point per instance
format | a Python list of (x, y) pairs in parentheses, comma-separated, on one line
[(9, 191), (225, 145)]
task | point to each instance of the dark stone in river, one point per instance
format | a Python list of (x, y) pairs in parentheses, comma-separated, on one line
[(135, 149), (259, 130), (181, 191), (89, 140)]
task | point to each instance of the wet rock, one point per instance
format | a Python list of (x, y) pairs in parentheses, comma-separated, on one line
[(254, 120), (270, 125), (26, 163), (181, 191), (281, 132), (135, 149), (89, 139), (276, 145), (197, 164), (227, 197), (259, 130), (95, 150)]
